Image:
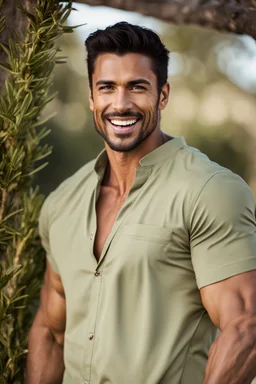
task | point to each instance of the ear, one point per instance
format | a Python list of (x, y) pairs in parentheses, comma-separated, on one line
[(164, 96), (91, 102)]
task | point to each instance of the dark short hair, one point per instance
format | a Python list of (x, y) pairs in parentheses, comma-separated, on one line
[(123, 38)]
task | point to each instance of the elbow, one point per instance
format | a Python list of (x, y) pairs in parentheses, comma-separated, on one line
[(41, 330), (59, 339)]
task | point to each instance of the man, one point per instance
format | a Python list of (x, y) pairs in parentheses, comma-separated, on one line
[(150, 248)]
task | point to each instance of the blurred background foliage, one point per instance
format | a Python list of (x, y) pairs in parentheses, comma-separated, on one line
[(212, 103)]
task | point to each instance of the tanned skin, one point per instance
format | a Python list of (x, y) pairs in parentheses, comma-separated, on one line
[(231, 303), (114, 92), (46, 338)]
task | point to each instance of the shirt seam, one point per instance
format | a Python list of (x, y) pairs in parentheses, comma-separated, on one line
[(227, 266), (170, 156), (85, 336), (189, 225), (54, 195), (96, 320), (191, 340)]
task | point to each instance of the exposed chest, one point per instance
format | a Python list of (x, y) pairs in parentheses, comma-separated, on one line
[(107, 208)]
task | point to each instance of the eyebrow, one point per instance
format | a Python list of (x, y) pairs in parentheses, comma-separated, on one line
[(132, 82)]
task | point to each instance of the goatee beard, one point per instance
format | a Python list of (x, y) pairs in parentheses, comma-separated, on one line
[(142, 135)]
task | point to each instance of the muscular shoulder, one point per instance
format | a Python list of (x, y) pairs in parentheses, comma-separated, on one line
[(197, 167), (198, 172), (220, 219), (201, 182), (75, 182)]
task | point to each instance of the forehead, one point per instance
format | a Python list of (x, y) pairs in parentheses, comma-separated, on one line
[(110, 66)]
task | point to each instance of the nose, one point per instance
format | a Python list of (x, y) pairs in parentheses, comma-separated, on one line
[(121, 100)]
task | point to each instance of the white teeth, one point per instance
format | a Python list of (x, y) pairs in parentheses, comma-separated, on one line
[(123, 123)]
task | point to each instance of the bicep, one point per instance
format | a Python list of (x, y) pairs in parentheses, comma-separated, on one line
[(231, 298)]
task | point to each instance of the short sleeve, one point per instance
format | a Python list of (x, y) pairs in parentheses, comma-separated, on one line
[(223, 229), (44, 229)]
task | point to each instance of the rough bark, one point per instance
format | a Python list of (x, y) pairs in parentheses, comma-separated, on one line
[(15, 20), (238, 16)]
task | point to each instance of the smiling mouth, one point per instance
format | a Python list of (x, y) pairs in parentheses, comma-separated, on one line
[(123, 123)]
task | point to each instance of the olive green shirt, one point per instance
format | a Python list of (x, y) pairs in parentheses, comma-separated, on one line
[(136, 316)]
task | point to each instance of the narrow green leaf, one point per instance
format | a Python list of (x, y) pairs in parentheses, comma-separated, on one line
[(18, 298), (26, 103), (9, 91), (41, 122), (4, 342), (43, 156), (50, 98), (36, 170), (7, 68), (3, 46), (5, 117), (10, 215)]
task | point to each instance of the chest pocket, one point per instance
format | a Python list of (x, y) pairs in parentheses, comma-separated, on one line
[(148, 233), (144, 244)]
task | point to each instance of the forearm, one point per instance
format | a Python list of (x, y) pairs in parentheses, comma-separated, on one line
[(232, 356), (45, 358)]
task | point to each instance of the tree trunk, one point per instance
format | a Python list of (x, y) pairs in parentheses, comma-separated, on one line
[(14, 19), (238, 16)]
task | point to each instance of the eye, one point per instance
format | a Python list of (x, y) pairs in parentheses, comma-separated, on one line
[(106, 88), (138, 87)]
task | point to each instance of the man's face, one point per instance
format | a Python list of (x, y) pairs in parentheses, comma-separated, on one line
[(124, 100)]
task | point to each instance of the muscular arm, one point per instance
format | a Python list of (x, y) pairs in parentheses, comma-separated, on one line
[(46, 338), (231, 305)]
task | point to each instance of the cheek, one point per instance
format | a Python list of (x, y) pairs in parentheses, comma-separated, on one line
[(99, 106), (146, 103), (97, 116), (98, 119), (102, 101), (150, 114)]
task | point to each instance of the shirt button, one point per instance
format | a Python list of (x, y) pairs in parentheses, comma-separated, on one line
[(85, 382), (96, 273), (91, 235), (90, 336)]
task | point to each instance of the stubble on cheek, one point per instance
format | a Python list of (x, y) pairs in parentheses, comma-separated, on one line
[(148, 119), (99, 124), (150, 122)]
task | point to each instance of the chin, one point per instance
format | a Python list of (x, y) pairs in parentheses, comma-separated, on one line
[(124, 146), (125, 143)]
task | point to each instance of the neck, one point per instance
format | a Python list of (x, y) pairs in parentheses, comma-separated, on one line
[(121, 171)]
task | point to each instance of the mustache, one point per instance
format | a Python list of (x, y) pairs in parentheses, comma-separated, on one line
[(136, 115)]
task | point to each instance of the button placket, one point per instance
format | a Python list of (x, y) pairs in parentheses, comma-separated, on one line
[(92, 321)]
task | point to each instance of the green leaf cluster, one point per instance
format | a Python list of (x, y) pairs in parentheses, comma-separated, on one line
[(31, 58)]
